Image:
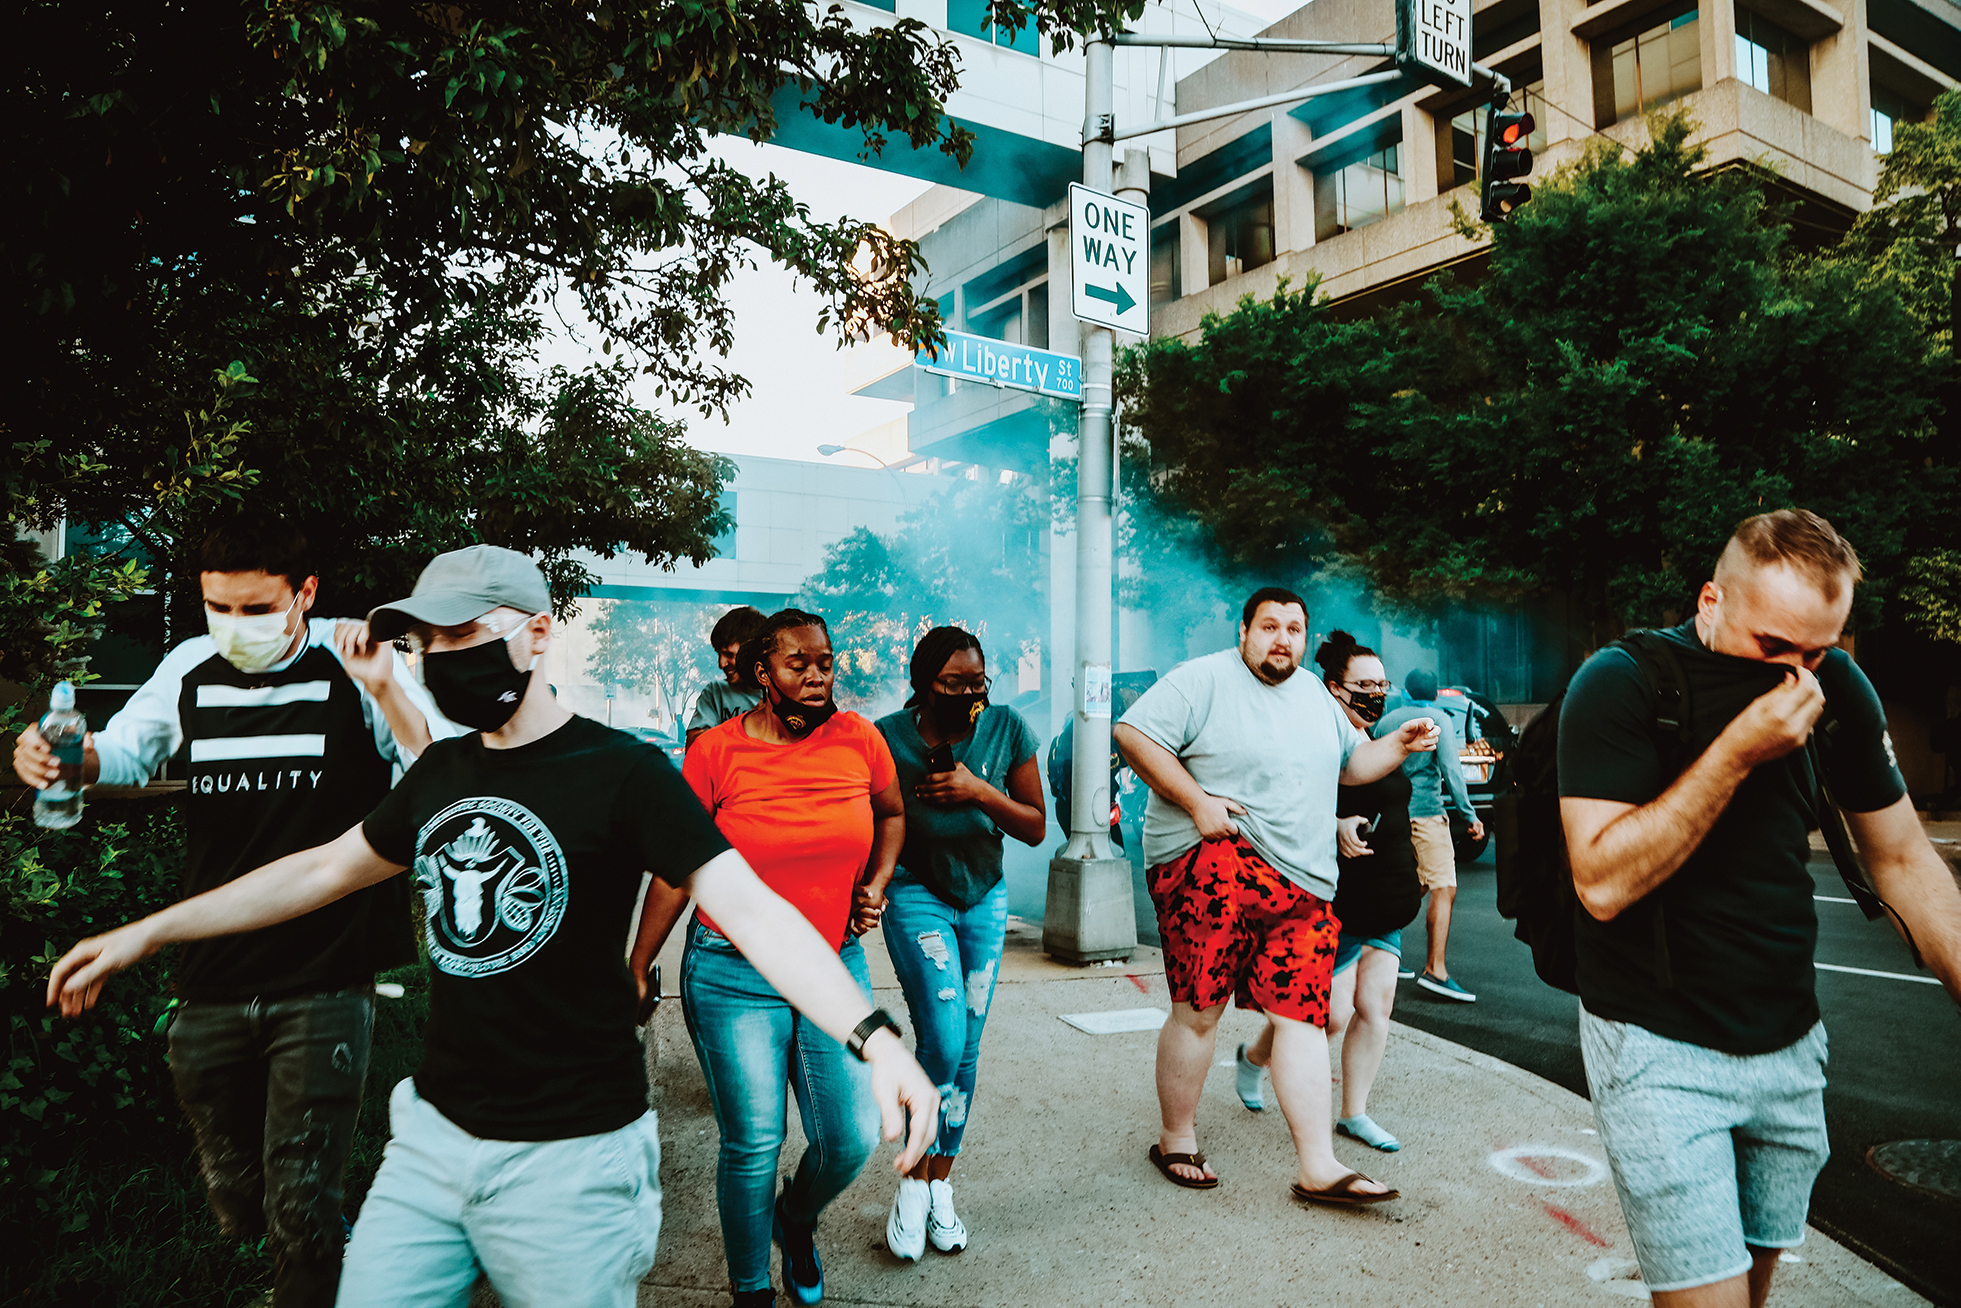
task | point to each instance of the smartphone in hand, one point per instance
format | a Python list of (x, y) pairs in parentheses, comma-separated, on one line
[(939, 759)]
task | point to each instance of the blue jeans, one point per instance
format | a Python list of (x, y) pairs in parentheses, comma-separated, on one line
[(750, 1041), (947, 960), (567, 1223)]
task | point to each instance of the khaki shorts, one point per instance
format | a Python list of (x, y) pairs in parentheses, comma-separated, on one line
[(1436, 861)]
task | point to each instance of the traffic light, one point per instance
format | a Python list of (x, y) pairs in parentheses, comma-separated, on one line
[(1507, 154)]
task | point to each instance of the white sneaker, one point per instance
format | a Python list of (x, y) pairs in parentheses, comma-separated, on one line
[(905, 1229), (943, 1226)]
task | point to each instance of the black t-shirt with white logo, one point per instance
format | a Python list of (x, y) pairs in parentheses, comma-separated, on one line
[(528, 862), (1738, 916)]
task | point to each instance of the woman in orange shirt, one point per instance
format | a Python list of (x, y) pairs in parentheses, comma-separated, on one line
[(810, 796)]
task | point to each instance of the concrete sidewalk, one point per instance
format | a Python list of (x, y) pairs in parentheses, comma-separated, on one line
[(1506, 1195)]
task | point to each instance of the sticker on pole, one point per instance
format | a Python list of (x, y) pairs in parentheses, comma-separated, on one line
[(1110, 259), (1433, 40)]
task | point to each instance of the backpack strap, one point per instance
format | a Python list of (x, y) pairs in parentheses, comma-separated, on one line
[(1831, 824), (1672, 718)]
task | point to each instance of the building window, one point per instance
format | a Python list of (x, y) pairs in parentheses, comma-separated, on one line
[(973, 18), (724, 543), (1772, 60), (1649, 68), (1036, 317), (1466, 137), (1358, 193), (1888, 108), (1239, 231), (1167, 256), (1002, 322)]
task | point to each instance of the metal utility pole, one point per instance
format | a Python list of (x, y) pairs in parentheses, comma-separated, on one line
[(1090, 913)]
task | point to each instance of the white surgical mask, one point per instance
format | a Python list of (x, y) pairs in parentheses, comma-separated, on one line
[(253, 642)]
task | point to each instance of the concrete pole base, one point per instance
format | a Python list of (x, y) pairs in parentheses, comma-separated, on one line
[(1090, 914)]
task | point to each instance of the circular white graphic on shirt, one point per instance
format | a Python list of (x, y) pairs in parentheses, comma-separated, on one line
[(493, 884)]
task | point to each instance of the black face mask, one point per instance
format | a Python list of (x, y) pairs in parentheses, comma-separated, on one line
[(477, 687), (955, 714), (1368, 705), (798, 718)]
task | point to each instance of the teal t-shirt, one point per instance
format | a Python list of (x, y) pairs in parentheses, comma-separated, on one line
[(955, 850)]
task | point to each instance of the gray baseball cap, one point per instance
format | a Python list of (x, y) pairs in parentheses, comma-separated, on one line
[(463, 585)]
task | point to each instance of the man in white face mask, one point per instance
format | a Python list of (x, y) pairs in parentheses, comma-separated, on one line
[(294, 729)]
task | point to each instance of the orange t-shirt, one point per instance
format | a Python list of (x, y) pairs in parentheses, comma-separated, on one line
[(801, 813)]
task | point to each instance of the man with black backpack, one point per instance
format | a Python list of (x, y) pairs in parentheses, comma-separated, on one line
[(1690, 763)]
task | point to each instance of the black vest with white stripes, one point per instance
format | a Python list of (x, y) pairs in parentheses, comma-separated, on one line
[(280, 762)]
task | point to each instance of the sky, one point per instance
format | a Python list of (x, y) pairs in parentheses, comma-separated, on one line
[(796, 402)]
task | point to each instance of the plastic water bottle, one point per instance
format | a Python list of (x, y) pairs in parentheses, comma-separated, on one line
[(60, 805)]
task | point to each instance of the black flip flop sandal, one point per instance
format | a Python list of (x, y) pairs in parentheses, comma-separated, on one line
[(1164, 1163), (1344, 1193)]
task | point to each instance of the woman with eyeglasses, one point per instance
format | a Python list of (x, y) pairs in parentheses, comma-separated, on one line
[(968, 773), (1377, 896)]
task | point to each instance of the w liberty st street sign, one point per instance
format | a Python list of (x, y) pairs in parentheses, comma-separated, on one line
[(1000, 363), (1110, 260)]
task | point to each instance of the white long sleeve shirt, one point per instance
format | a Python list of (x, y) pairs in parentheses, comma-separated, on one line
[(148, 730)]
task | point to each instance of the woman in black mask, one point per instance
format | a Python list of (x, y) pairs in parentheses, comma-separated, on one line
[(968, 773), (1378, 895)]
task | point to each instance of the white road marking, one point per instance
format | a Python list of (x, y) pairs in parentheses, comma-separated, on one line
[(1833, 899), (1866, 971)]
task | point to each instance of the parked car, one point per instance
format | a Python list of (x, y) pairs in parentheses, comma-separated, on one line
[(674, 746)]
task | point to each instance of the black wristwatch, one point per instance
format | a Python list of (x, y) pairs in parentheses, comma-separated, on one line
[(867, 1028)]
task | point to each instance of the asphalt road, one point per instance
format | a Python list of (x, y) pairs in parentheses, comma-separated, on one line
[(1895, 1070)]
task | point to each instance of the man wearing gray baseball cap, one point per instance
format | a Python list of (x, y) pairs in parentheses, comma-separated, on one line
[(528, 838)]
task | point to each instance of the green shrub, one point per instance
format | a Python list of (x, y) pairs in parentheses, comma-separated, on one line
[(100, 1198)]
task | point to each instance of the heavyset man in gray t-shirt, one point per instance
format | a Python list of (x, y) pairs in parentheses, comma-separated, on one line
[(1243, 759)]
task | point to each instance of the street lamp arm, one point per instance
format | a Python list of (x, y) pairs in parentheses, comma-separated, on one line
[(1272, 45), (1264, 102), (828, 450)]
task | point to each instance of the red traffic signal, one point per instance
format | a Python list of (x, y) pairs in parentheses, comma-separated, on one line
[(1507, 154)]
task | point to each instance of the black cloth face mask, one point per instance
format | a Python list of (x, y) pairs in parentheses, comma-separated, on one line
[(476, 687), (957, 713), (797, 717), (1368, 705)]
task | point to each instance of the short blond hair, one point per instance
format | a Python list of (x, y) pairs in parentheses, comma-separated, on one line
[(1798, 539)]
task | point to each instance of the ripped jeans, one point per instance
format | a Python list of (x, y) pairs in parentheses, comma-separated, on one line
[(272, 1089), (947, 960)]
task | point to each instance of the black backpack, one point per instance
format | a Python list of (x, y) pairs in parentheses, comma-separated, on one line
[(1535, 880)]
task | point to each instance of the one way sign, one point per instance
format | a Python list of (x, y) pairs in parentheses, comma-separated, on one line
[(1110, 244)]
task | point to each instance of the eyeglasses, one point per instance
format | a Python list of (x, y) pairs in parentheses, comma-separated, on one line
[(1366, 687), (963, 685)]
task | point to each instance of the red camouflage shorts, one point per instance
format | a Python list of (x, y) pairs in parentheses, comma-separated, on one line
[(1233, 927)]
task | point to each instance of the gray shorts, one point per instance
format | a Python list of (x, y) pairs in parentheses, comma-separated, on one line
[(1713, 1153)]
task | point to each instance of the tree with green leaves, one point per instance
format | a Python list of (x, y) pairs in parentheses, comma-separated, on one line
[(347, 199), (1909, 244), (970, 557), (655, 648), (1644, 364)]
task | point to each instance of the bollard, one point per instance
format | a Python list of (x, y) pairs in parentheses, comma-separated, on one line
[(1090, 914)]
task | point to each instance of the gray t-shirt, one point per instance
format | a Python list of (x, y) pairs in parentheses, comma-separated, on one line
[(719, 701), (1278, 751)]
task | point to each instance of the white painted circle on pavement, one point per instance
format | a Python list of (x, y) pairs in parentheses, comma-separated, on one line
[(1510, 1162)]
